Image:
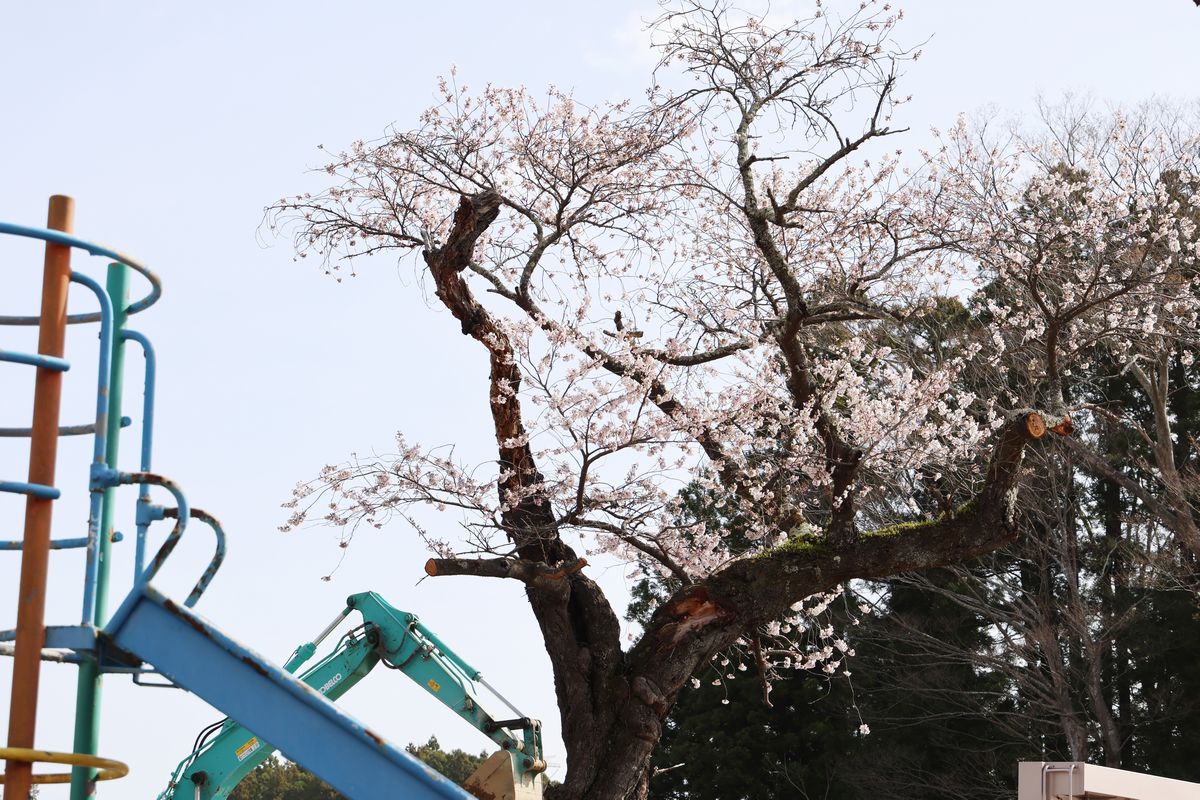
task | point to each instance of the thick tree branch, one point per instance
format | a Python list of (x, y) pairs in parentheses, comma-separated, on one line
[(527, 517), (711, 614), (797, 569), (579, 628), (533, 573)]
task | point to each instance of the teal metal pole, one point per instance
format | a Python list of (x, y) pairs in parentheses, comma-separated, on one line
[(87, 693)]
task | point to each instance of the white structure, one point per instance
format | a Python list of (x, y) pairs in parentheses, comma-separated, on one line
[(1074, 780)]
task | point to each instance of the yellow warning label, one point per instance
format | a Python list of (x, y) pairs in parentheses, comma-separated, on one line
[(437, 687), (248, 748)]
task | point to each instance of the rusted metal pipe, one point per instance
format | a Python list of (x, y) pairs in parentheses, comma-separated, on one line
[(43, 453)]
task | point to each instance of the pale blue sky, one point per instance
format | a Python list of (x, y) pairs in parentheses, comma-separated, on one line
[(173, 125)]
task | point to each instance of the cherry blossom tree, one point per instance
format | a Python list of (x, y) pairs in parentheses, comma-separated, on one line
[(1093, 262), (738, 286)]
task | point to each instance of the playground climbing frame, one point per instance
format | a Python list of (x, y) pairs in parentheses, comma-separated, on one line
[(149, 633)]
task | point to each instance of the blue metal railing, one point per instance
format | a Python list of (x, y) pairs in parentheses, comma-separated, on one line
[(81, 644), (58, 237), (35, 360), (147, 446), (49, 362), (99, 440), (60, 544), (63, 430), (103, 478), (31, 489)]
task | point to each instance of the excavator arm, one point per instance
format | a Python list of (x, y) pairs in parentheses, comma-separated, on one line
[(225, 752)]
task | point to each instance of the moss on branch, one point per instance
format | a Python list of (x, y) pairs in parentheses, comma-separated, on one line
[(814, 545)]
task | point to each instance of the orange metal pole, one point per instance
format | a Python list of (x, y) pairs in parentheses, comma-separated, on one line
[(43, 452)]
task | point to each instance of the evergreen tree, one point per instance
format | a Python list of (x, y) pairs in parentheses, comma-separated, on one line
[(277, 779), (723, 743), (457, 765)]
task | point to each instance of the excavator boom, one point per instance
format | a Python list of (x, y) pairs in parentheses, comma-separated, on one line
[(226, 752)]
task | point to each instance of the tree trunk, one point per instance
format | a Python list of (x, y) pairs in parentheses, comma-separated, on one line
[(621, 770)]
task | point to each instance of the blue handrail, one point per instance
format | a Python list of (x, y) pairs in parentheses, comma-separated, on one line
[(100, 442), (102, 477), (182, 515), (58, 237), (63, 430), (147, 449), (59, 544), (31, 489), (218, 558), (35, 360)]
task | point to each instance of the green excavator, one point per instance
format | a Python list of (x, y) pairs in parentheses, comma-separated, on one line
[(225, 752)]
